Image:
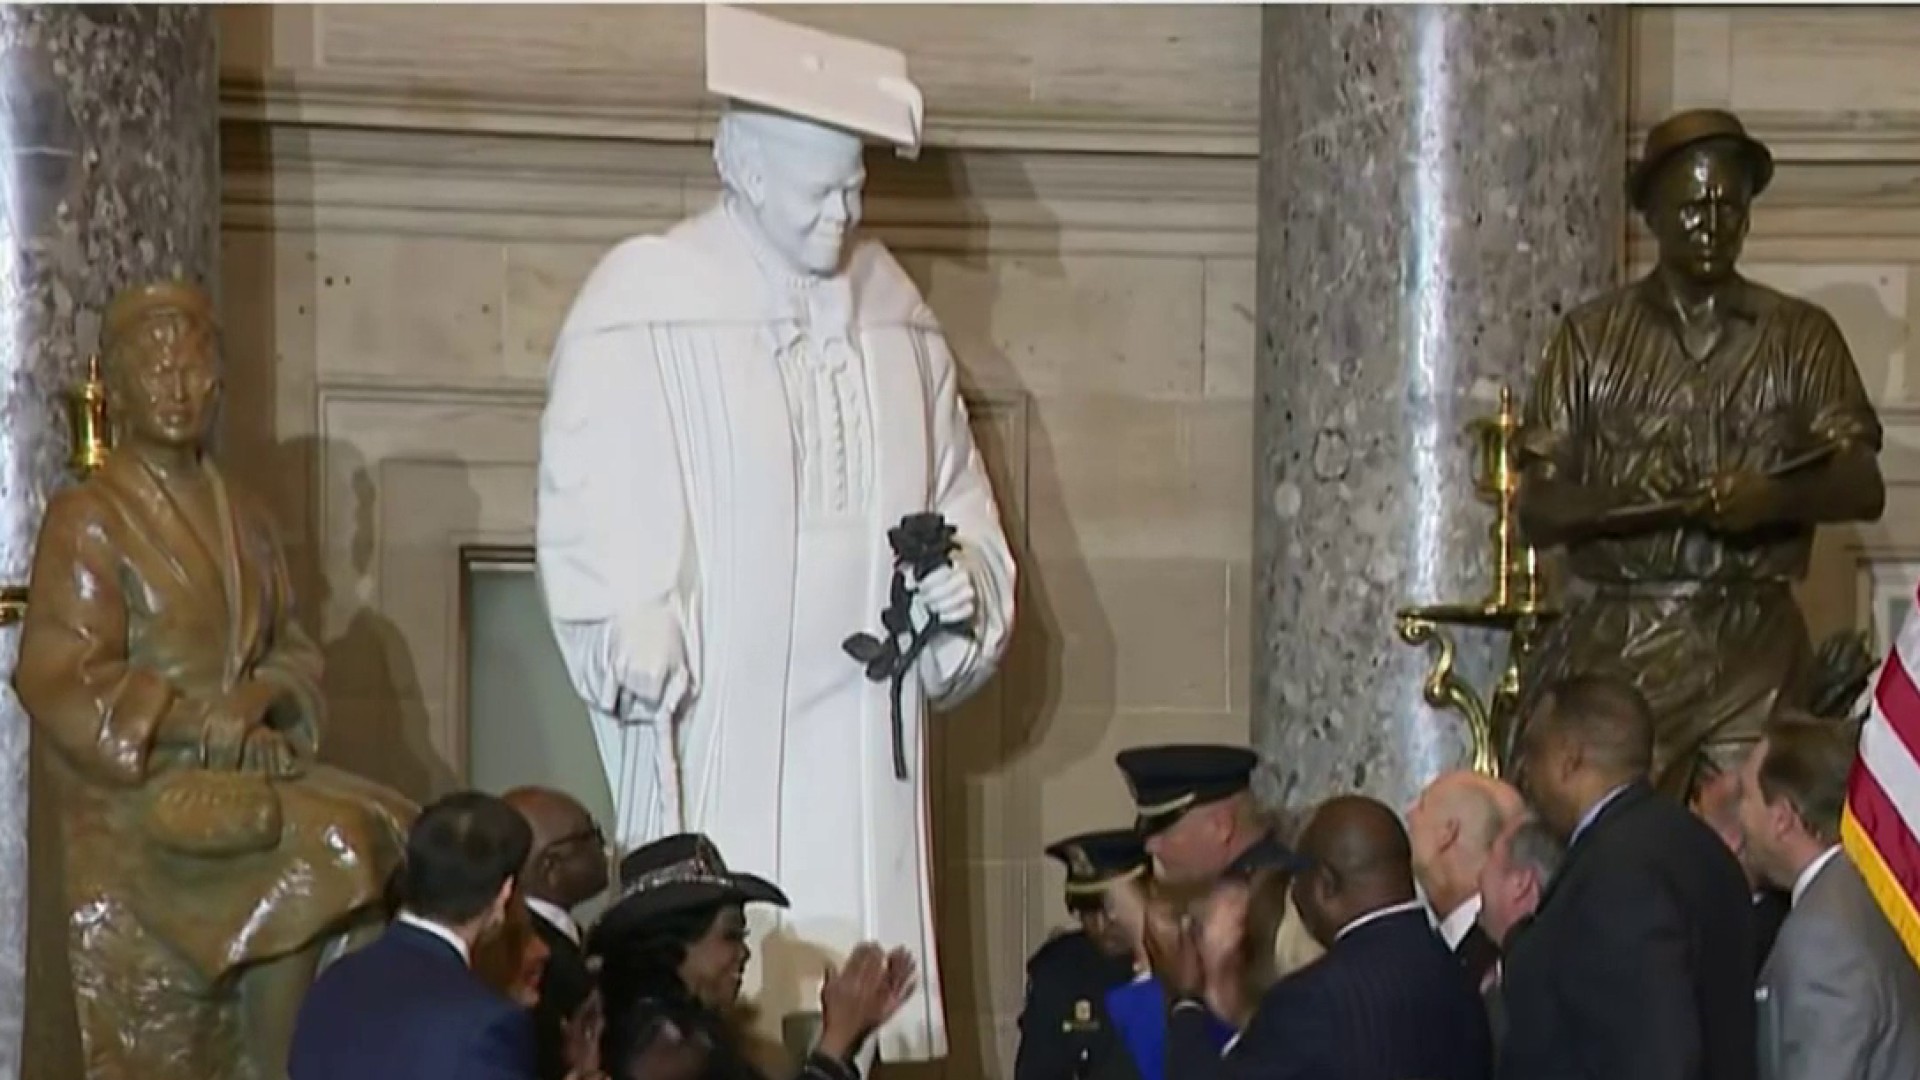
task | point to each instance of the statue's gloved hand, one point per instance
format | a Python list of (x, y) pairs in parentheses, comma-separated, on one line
[(224, 738), (232, 720), (654, 676), (270, 752), (948, 594)]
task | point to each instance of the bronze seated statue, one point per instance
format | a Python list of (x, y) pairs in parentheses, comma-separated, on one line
[(211, 865)]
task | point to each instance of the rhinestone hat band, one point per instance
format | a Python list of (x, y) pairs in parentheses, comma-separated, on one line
[(703, 867)]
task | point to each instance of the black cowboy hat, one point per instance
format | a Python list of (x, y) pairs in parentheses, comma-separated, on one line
[(675, 873), (1690, 128)]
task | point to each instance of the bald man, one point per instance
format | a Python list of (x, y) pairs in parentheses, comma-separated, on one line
[(566, 867), (1387, 1001), (1453, 825)]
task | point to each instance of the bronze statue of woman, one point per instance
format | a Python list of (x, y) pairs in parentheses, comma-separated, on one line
[(210, 863)]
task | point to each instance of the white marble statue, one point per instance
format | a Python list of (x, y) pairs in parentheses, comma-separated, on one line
[(738, 411)]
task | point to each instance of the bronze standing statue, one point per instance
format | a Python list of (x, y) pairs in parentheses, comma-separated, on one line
[(210, 863), (1684, 437)]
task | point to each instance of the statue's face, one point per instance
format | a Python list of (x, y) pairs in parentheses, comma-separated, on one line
[(168, 376), (805, 191), (1697, 210)]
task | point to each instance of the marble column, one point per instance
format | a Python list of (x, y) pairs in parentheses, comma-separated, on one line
[(109, 175), (1437, 185)]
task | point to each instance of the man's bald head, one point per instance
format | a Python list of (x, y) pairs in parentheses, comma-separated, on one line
[(1359, 861), (1452, 827), (1359, 839), (567, 863), (553, 814)]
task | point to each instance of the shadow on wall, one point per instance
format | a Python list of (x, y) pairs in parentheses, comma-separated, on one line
[(377, 724), (986, 818), (1877, 335)]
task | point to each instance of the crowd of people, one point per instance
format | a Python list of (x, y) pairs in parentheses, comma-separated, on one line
[(1581, 924)]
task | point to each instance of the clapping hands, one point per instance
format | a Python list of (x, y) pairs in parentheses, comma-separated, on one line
[(861, 995)]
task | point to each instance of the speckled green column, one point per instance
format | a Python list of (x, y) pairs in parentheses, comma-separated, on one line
[(111, 176), (1437, 185)]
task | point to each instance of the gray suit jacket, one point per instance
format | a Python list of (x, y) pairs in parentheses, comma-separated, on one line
[(1839, 996)]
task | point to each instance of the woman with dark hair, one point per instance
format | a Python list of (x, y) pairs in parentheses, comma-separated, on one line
[(672, 951)]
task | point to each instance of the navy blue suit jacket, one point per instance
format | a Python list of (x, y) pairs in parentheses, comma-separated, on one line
[(407, 1008), (1389, 1001)]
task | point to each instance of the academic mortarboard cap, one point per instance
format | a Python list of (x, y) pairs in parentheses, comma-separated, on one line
[(1167, 781), (850, 84), (1097, 861)]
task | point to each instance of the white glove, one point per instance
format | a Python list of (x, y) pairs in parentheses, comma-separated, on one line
[(653, 675), (947, 594)]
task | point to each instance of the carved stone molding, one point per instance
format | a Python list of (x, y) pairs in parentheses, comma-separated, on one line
[(573, 189)]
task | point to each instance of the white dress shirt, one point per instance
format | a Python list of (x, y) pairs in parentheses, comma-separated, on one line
[(1593, 812), (556, 917), (1455, 927), (1811, 871), (454, 940), (1379, 913)]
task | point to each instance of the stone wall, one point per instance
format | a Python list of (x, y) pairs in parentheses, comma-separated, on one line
[(412, 194)]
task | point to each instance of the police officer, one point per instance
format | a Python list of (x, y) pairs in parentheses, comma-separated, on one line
[(1197, 814), (1065, 1032)]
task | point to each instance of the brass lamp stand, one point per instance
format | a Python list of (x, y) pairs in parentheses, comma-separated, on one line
[(90, 434), (1514, 605)]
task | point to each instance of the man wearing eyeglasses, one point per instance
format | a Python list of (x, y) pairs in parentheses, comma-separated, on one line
[(566, 867)]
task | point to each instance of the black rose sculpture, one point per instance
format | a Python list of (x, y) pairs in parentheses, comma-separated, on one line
[(922, 543)]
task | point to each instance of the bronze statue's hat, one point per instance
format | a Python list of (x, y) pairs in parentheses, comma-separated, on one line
[(675, 873), (1097, 861), (1690, 128), (136, 302)]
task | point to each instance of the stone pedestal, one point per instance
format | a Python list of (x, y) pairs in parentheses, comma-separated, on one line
[(1437, 185), (111, 177)]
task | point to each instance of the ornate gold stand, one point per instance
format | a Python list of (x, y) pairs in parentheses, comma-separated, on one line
[(90, 434), (1514, 605)]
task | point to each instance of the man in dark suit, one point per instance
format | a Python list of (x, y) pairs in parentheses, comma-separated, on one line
[(408, 1007), (566, 867), (1519, 871), (1388, 1001), (1716, 798), (1639, 961), (1066, 1032), (1197, 814)]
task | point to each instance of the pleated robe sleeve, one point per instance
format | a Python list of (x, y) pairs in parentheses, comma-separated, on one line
[(956, 666), (613, 538)]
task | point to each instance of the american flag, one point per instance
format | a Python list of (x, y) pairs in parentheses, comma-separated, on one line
[(1881, 826)]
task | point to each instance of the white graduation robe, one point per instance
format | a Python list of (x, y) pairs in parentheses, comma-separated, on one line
[(673, 517)]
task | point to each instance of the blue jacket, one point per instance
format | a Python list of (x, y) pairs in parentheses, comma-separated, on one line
[(1139, 1011), (407, 1008)]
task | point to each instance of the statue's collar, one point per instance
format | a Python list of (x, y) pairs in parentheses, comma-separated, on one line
[(1737, 298)]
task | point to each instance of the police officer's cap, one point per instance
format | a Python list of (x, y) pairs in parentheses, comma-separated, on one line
[(1097, 861), (1168, 781)]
